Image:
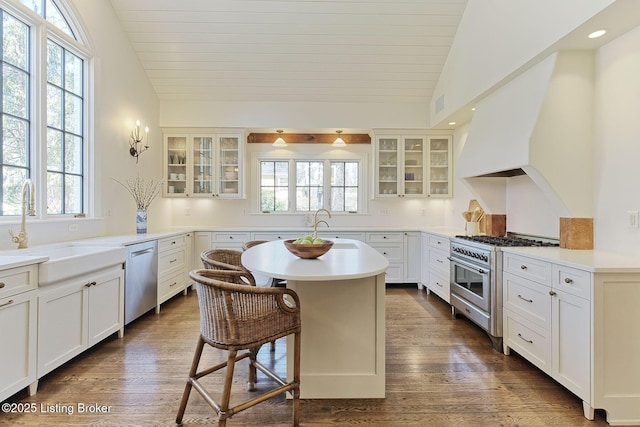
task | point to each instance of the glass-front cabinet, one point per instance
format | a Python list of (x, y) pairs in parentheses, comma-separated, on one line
[(203, 166), (412, 166)]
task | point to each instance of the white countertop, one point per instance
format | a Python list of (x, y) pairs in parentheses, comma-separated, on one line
[(13, 261), (589, 260), (347, 259)]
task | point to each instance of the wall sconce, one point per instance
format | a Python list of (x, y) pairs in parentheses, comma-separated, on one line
[(136, 145), (279, 141), (339, 142)]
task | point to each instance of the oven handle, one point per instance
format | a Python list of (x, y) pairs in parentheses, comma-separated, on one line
[(467, 265)]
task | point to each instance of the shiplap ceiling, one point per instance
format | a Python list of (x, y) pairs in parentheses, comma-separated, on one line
[(389, 51)]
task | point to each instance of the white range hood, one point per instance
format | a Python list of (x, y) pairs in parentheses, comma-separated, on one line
[(540, 124)]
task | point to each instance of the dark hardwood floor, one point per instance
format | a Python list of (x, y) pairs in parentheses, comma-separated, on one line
[(440, 372)]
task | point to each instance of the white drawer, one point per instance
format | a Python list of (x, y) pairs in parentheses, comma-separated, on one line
[(439, 261), (390, 252), (532, 342), (529, 268), (171, 243), (353, 236), (231, 237), (527, 298), (170, 285), (439, 284), (171, 261), (385, 237), (17, 280), (273, 236), (572, 281), (439, 242)]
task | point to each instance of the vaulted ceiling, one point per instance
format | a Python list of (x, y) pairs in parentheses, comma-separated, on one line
[(386, 51)]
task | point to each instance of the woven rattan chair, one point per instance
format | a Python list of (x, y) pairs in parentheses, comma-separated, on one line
[(252, 243), (225, 259), (239, 319)]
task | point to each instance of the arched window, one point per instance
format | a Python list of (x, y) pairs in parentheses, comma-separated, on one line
[(44, 108)]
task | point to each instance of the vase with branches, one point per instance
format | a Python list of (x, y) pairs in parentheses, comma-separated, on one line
[(143, 193)]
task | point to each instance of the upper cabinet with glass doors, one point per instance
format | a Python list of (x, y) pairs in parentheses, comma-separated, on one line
[(412, 166), (203, 166)]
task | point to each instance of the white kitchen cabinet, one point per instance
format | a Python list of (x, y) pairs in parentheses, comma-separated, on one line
[(391, 246), (172, 267), (203, 165), (440, 170), (202, 242), (18, 317), (412, 257), (547, 319), (76, 314), (229, 239), (435, 265)]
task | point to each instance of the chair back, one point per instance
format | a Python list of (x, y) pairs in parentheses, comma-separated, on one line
[(252, 243), (241, 316)]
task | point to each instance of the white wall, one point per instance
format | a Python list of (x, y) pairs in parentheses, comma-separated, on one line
[(617, 171)]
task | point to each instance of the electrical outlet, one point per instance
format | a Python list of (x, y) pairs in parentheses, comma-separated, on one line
[(187, 212), (384, 211), (73, 227), (633, 218)]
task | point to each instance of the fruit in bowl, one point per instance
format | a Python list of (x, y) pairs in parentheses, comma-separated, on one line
[(307, 247)]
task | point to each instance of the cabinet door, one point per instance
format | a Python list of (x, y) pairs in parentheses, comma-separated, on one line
[(388, 157), (62, 320), (230, 164), (414, 166), (175, 160), (412, 257), (571, 343), (202, 243), (18, 318), (106, 307), (202, 172), (440, 171)]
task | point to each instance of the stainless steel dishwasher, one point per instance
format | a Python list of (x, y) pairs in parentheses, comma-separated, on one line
[(141, 280)]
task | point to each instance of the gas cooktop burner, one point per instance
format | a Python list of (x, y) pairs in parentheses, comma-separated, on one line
[(508, 241)]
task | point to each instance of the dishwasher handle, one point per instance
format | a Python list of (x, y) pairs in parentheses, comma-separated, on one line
[(142, 252)]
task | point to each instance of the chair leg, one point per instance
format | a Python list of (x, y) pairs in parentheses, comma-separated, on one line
[(192, 374), (253, 373), (273, 346), (223, 413), (296, 379)]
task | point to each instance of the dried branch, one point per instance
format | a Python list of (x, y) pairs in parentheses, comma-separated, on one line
[(142, 192)]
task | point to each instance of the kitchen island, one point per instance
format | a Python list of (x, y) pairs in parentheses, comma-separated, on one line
[(343, 316)]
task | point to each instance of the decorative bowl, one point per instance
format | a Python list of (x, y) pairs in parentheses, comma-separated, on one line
[(307, 251)]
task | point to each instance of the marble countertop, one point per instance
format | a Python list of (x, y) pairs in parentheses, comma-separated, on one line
[(589, 260)]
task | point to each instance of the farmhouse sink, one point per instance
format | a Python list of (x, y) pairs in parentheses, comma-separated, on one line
[(69, 261)]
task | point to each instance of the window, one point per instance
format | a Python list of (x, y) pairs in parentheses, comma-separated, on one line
[(309, 186), (274, 186), (336, 185), (344, 186), (57, 162)]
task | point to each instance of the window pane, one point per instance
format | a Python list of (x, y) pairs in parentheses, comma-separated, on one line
[(15, 42), (15, 142), (54, 150), (73, 74), (274, 186), (344, 186), (35, 5), (55, 17), (54, 64), (15, 90), (315, 198), (337, 199), (54, 107), (73, 154), (73, 194), (309, 183), (73, 114), (12, 182), (351, 199), (337, 173), (282, 199), (351, 174), (302, 173), (54, 193)]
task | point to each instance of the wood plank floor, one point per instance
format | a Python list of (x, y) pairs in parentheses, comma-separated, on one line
[(440, 372)]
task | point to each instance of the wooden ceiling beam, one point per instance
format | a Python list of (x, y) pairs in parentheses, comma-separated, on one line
[(309, 138)]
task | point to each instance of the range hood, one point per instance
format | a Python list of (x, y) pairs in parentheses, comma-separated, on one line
[(538, 124)]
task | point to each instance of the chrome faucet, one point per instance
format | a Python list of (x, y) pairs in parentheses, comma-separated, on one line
[(316, 222), (22, 239)]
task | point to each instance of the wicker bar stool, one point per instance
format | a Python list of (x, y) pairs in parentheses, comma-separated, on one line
[(225, 259), (239, 319)]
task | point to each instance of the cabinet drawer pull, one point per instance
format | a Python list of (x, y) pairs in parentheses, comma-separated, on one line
[(173, 284), (438, 283), (440, 261), (523, 267), (524, 299), (1, 285), (173, 260), (552, 293), (524, 339), (7, 303), (91, 284), (567, 280)]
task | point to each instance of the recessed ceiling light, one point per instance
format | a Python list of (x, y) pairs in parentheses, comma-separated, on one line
[(473, 108), (597, 34), (452, 123)]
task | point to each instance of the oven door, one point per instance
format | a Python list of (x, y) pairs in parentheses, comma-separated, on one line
[(471, 283)]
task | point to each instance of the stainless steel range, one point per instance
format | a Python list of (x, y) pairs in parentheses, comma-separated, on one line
[(476, 278)]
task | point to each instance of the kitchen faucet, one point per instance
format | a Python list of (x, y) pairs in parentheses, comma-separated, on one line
[(21, 239), (316, 222)]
